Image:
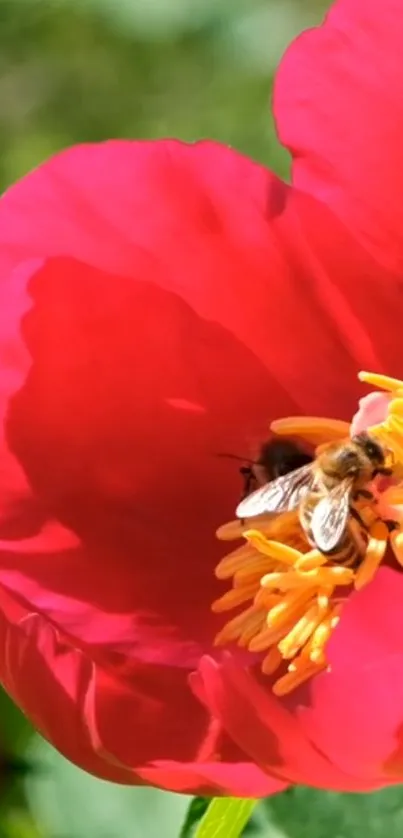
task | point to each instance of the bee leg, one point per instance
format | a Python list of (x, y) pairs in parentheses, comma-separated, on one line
[(385, 472), (363, 493), (248, 477)]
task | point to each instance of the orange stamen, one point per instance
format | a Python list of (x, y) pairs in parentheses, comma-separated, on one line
[(375, 552), (311, 428)]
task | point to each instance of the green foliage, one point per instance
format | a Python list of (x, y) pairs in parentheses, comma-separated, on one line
[(308, 813), (92, 69), (68, 803)]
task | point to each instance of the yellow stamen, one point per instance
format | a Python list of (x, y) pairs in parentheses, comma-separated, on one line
[(294, 679), (289, 609), (318, 576), (320, 637), (311, 560), (265, 639), (375, 552), (292, 594), (396, 407), (255, 567), (394, 425), (237, 596), (230, 531), (272, 549), (234, 561), (392, 432), (267, 599), (381, 382), (301, 632), (236, 627)]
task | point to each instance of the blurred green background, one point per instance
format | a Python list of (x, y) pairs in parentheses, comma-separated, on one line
[(77, 70)]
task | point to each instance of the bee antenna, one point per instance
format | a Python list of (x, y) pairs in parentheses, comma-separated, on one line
[(236, 457)]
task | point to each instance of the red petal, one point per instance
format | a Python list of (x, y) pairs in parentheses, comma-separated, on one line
[(215, 228), (241, 780), (108, 723), (48, 679), (339, 110), (112, 705), (102, 425), (129, 578), (111, 449), (356, 712), (267, 731), (359, 303), (165, 326)]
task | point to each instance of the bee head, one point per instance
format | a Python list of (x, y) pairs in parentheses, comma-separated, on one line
[(371, 448)]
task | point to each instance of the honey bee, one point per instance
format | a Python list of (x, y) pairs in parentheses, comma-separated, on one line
[(323, 492)]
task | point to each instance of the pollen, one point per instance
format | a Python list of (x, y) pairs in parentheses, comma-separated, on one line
[(289, 596)]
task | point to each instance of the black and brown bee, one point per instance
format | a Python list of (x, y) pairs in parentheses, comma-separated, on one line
[(323, 490)]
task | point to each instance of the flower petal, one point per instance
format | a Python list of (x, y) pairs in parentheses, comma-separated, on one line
[(243, 779), (61, 676), (372, 410), (213, 227), (269, 733), (355, 715), (145, 360), (218, 767), (359, 302), (79, 705), (118, 425), (339, 110), (124, 371), (101, 544)]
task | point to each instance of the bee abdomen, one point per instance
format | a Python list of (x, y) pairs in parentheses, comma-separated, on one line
[(347, 553), (352, 546)]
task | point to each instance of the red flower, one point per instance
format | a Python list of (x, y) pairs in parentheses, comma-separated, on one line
[(161, 303)]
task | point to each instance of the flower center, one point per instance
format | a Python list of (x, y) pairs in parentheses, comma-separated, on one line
[(291, 594)]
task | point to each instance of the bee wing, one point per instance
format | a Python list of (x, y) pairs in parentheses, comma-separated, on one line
[(330, 517), (280, 495)]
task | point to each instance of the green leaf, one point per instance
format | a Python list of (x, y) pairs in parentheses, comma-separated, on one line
[(225, 818), (66, 801)]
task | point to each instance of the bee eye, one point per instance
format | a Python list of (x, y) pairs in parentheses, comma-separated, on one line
[(375, 453)]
